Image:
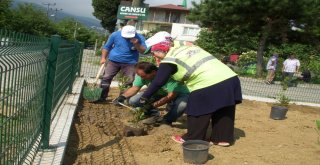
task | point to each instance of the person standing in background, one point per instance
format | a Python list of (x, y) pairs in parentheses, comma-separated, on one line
[(271, 67), (290, 67)]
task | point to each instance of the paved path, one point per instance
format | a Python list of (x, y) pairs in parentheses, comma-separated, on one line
[(302, 93)]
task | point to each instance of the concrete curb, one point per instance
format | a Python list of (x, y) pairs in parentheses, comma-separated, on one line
[(60, 128), (269, 100)]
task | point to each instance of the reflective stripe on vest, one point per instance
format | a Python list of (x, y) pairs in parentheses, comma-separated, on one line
[(190, 69)]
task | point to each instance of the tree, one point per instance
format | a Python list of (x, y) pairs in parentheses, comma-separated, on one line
[(69, 27), (264, 20), (106, 11), (4, 12), (27, 19), (221, 44)]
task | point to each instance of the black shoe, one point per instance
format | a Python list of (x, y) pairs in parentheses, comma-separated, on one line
[(101, 100)]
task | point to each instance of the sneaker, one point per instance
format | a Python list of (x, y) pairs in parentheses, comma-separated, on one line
[(222, 144), (178, 139)]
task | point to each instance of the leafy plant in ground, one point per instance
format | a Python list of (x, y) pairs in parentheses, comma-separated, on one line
[(138, 115), (318, 130), (122, 82)]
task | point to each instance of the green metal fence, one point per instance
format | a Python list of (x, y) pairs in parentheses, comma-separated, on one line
[(35, 75)]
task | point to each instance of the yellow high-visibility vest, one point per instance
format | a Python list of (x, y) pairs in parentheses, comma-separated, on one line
[(197, 68)]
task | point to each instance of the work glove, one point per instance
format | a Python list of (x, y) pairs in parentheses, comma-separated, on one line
[(143, 101), (119, 99), (146, 104), (148, 107)]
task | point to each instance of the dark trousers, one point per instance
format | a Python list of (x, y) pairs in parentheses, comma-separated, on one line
[(222, 125), (111, 70), (290, 80)]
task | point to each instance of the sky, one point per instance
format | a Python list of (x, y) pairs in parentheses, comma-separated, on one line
[(84, 7)]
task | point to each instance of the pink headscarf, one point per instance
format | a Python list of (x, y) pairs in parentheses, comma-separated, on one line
[(163, 46)]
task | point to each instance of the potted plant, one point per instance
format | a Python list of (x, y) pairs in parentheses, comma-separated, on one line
[(279, 109)]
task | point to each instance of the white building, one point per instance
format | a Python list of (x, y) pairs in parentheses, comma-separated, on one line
[(185, 32)]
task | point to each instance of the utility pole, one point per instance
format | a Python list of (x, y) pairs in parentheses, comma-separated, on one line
[(55, 13), (75, 31), (48, 6)]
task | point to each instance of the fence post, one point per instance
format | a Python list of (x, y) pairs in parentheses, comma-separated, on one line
[(51, 73), (80, 58), (73, 69)]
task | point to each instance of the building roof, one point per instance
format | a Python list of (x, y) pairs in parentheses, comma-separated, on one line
[(170, 6)]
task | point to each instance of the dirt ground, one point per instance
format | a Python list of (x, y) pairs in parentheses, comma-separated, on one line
[(96, 138)]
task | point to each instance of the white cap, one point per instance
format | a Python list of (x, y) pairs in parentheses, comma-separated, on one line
[(157, 38), (128, 31)]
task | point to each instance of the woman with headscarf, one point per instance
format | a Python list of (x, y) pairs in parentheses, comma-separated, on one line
[(215, 88)]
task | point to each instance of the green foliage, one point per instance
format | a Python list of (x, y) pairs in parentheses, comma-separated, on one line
[(106, 11), (147, 59), (283, 99), (4, 12), (138, 115), (98, 52), (257, 21), (152, 32), (246, 58), (314, 68), (307, 54), (122, 82), (27, 19), (219, 44), (66, 29), (318, 124)]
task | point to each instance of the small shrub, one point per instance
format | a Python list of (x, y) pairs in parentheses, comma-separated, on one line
[(98, 52), (122, 82), (138, 115), (282, 99)]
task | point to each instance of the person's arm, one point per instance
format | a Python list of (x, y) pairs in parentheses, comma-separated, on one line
[(104, 56), (283, 66), (131, 91), (106, 48), (139, 43), (164, 100), (298, 66), (164, 72)]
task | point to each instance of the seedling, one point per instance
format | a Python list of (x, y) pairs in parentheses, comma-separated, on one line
[(138, 115), (282, 99), (122, 82), (318, 130)]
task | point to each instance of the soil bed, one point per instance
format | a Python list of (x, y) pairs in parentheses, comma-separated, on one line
[(97, 138)]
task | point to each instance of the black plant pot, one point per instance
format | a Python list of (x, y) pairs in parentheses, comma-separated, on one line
[(278, 112)]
